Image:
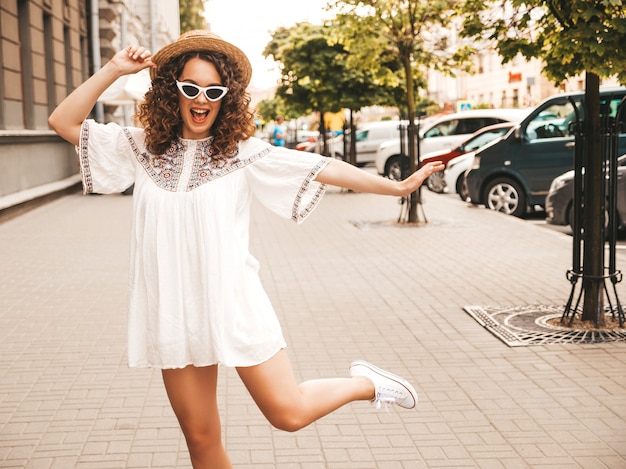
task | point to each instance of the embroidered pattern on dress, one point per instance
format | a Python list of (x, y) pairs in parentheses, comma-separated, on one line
[(83, 152), (296, 213), (165, 170), (206, 169)]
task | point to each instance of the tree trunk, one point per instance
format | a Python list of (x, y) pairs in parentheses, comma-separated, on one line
[(411, 140), (352, 139), (323, 134), (593, 213)]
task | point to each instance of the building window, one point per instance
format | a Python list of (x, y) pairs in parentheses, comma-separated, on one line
[(67, 42), (23, 14), (84, 54), (49, 61)]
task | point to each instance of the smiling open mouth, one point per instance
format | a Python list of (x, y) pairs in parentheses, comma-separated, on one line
[(199, 114)]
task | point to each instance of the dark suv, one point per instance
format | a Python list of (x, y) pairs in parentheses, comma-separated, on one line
[(515, 173)]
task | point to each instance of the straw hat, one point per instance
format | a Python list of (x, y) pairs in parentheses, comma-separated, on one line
[(203, 41)]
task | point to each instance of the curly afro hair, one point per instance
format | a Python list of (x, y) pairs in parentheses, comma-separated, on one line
[(160, 112)]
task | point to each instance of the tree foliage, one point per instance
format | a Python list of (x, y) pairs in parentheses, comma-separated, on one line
[(317, 75), (312, 70), (571, 36), (401, 39), (268, 109), (414, 31), (379, 72), (191, 15)]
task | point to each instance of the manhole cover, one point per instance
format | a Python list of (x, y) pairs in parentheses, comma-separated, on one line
[(528, 325)]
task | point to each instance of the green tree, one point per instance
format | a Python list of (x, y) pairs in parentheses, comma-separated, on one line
[(375, 58), (572, 37), (191, 15), (416, 32), (377, 73), (313, 70), (268, 109)]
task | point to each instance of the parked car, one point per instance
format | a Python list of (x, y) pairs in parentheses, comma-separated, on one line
[(560, 199), (436, 182), (514, 175), (295, 138), (448, 131), (303, 135), (311, 144), (454, 174), (314, 144), (369, 136)]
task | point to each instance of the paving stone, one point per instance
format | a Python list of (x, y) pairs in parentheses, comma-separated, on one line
[(348, 283)]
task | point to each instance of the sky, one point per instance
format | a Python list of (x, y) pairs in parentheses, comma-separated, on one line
[(248, 24)]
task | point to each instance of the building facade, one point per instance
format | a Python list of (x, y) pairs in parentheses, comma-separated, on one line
[(43, 54), (48, 48), (516, 84)]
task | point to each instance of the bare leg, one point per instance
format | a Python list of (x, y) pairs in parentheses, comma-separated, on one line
[(291, 406), (192, 393)]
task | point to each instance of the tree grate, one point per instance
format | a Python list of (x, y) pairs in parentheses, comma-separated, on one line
[(519, 326)]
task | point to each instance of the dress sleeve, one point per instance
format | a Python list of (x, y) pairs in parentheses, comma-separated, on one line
[(283, 180), (107, 161)]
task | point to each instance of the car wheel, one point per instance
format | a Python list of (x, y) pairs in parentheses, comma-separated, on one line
[(570, 216), (506, 196), (461, 188), (397, 167), (436, 182)]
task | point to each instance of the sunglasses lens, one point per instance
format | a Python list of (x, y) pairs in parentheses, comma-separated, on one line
[(190, 91), (215, 93)]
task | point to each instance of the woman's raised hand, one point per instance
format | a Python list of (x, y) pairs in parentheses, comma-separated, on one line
[(132, 59)]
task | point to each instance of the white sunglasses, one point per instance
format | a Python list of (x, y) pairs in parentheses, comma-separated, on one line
[(191, 91)]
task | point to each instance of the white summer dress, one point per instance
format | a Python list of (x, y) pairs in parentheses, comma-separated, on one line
[(195, 293)]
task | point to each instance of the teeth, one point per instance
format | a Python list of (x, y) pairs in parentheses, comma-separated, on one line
[(200, 112)]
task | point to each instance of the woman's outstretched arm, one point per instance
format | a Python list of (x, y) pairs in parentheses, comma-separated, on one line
[(341, 174), (69, 115)]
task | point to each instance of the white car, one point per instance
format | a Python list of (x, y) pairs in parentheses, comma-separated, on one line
[(454, 174), (369, 136), (448, 131)]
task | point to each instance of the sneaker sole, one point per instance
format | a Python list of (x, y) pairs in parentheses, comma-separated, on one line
[(398, 379)]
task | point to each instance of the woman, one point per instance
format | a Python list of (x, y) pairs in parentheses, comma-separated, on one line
[(196, 300)]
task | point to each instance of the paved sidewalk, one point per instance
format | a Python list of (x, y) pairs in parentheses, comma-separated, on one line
[(348, 283)]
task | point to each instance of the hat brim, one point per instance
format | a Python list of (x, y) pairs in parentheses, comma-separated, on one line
[(203, 44)]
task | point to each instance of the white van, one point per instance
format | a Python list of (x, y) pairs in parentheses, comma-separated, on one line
[(446, 132), (369, 136)]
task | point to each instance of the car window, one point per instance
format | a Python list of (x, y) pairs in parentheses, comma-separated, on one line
[(465, 126), (443, 129), (483, 139), (472, 124), (552, 122), (608, 112), (361, 135)]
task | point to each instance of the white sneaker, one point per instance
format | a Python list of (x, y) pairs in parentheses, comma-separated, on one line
[(390, 388)]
